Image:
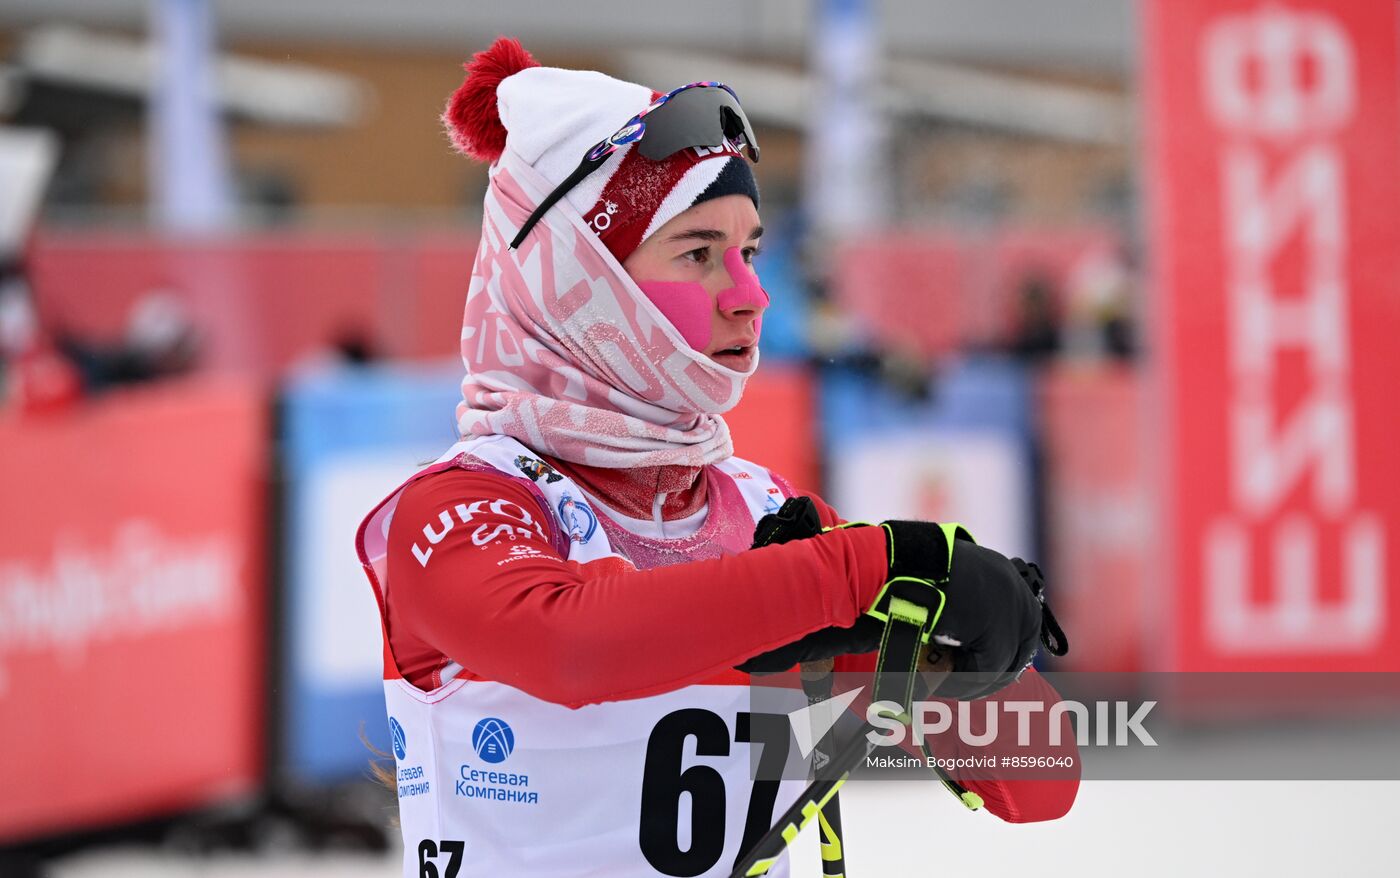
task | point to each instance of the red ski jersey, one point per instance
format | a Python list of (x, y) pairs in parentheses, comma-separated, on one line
[(550, 627)]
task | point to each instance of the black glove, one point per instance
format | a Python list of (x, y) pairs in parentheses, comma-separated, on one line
[(1052, 636), (993, 608)]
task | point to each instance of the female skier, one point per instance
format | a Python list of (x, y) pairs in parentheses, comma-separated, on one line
[(567, 591)]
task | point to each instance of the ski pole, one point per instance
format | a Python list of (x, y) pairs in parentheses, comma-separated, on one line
[(829, 780), (817, 681)]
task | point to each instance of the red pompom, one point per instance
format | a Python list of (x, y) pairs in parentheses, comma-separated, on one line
[(471, 118)]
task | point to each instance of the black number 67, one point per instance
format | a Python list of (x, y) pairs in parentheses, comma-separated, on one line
[(428, 850), (663, 784)]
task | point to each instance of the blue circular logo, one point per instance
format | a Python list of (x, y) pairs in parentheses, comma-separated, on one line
[(400, 741), (493, 740), (577, 518)]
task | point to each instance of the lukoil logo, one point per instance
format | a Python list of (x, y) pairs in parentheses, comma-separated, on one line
[(493, 740), (400, 740), (524, 525)]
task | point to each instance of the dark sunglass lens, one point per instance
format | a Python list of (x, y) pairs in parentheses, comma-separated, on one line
[(692, 118), (737, 129)]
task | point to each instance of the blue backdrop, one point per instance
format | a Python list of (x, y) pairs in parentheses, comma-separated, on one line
[(349, 437)]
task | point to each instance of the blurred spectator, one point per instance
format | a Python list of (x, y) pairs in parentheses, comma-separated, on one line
[(1100, 306), (34, 376), (351, 346), (17, 323), (160, 342), (160, 337), (354, 346), (837, 338), (1037, 326)]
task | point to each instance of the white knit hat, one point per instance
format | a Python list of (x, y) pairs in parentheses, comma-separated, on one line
[(551, 117)]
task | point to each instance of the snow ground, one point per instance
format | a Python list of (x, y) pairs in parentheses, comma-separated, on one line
[(1138, 828)]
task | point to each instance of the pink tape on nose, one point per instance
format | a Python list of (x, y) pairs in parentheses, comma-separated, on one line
[(688, 306), (746, 291)]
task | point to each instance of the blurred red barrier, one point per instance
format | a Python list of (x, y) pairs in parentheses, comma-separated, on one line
[(1274, 138), (776, 425), (429, 312), (131, 596), (264, 302), (1062, 258), (907, 289), (1097, 512), (932, 293)]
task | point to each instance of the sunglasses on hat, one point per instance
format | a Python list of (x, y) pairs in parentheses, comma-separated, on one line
[(698, 114)]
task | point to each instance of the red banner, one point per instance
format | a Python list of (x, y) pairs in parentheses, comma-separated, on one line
[(906, 290), (1274, 135), (261, 304), (931, 293), (131, 583), (1097, 508)]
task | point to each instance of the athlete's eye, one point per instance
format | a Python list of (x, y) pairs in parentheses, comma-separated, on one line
[(752, 253), (699, 255)]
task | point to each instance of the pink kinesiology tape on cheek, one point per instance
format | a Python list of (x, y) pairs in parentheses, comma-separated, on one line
[(688, 306)]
